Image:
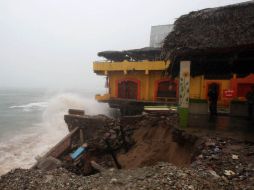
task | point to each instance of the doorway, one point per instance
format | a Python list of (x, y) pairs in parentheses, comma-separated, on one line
[(127, 89)]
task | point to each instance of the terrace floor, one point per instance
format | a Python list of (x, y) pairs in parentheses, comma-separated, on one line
[(222, 125)]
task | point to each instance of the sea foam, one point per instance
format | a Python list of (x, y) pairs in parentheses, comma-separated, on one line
[(32, 106), (21, 150)]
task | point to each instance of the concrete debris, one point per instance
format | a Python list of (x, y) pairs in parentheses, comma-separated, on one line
[(160, 176), (145, 147), (97, 167), (229, 172), (227, 158), (49, 163), (235, 157), (214, 174)]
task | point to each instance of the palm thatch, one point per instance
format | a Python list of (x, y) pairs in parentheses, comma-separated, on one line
[(113, 55), (147, 53), (218, 40)]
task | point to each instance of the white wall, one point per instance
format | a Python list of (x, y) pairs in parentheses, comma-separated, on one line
[(158, 34)]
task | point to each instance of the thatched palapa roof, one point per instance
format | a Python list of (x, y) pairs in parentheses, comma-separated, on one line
[(219, 40), (114, 55), (147, 53)]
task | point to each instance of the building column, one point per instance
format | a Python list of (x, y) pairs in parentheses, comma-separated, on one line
[(184, 92)]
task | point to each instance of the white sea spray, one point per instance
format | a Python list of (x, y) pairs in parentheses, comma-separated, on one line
[(22, 149)]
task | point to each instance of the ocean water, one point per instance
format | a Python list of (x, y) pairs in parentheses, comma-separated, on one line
[(32, 121)]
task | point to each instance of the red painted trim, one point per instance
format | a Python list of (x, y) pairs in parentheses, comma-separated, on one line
[(156, 84), (233, 84), (246, 80), (128, 79)]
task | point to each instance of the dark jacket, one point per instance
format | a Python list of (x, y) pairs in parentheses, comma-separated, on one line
[(213, 96)]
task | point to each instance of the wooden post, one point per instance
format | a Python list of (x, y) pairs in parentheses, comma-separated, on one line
[(97, 166), (111, 152), (81, 135), (184, 92)]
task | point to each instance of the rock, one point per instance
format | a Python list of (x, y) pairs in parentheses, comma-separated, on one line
[(200, 156), (113, 181), (48, 178), (214, 157), (214, 174), (212, 164), (49, 163), (153, 177), (229, 172), (235, 157), (217, 150), (76, 112), (210, 144), (225, 179)]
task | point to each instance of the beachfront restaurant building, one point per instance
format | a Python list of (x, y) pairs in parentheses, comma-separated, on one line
[(135, 78), (218, 43)]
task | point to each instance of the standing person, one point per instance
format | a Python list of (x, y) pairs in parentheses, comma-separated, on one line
[(250, 101), (213, 98)]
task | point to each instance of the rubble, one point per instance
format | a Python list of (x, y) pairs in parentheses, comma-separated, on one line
[(228, 159), (110, 140), (145, 147), (160, 176)]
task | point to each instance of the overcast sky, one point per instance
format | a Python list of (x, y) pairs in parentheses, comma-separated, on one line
[(52, 43)]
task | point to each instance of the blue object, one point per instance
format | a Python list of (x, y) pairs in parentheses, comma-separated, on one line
[(78, 152)]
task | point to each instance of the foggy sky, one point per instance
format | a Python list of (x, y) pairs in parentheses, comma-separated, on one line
[(52, 43)]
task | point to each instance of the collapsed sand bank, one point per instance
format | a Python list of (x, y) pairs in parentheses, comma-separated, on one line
[(140, 144)]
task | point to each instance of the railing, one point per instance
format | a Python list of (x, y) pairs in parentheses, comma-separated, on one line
[(166, 99), (126, 65)]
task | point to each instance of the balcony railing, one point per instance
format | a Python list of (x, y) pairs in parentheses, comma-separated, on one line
[(129, 66)]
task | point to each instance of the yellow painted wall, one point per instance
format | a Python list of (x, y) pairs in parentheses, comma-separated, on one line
[(195, 87), (147, 82), (199, 88), (198, 85)]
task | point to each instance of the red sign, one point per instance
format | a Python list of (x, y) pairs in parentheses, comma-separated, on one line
[(228, 93)]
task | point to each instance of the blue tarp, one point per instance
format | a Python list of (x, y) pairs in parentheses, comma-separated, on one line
[(78, 152)]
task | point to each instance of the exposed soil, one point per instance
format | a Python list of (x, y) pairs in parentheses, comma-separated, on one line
[(152, 145)]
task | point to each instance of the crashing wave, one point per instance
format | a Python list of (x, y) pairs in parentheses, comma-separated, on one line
[(21, 150)]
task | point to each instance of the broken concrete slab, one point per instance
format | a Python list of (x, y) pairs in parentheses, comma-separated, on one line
[(49, 163)]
